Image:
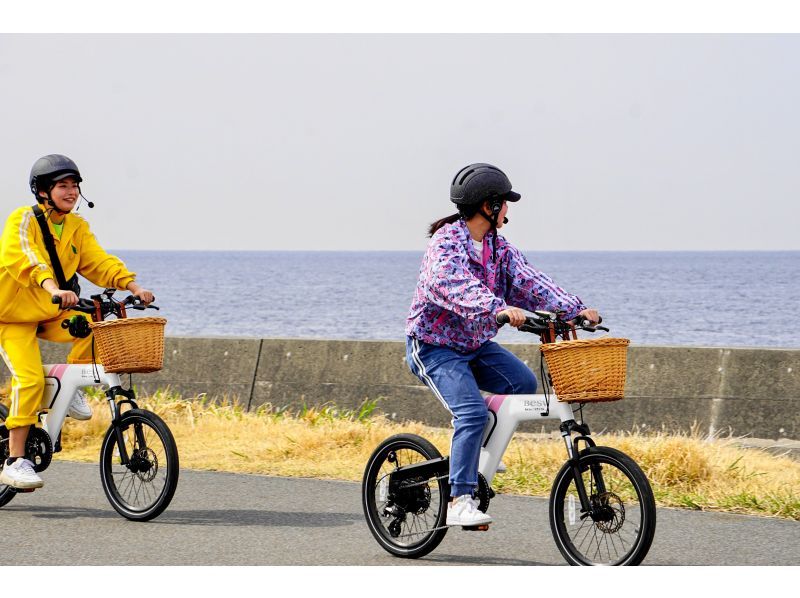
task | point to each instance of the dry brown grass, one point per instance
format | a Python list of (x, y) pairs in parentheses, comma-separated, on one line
[(685, 470)]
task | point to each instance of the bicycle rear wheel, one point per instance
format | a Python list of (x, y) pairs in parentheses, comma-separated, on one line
[(143, 488), (622, 521), (409, 522), (6, 492)]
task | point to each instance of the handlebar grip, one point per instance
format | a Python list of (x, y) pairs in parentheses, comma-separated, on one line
[(503, 319), (56, 299), (137, 303), (580, 320)]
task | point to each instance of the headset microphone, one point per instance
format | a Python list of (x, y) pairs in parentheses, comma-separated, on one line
[(88, 203)]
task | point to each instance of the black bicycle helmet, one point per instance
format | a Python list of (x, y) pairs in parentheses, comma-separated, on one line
[(476, 183), (52, 168)]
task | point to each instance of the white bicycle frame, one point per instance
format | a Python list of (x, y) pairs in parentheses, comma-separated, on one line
[(61, 382), (506, 412)]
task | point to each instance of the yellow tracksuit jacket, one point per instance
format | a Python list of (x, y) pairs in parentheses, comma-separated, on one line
[(26, 310)]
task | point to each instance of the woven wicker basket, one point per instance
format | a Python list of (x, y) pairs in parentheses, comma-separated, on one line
[(130, 345), (587, 370)]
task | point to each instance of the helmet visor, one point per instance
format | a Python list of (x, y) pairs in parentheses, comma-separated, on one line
[(65, 175), (510, 196)]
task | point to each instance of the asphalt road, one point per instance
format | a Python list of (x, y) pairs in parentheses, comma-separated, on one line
[(233, 519)]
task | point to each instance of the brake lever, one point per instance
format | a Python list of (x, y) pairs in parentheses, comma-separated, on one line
[(136, 303)]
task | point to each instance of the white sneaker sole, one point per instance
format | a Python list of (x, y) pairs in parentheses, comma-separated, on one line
[(455, 521), (79, 416), (19, 484)]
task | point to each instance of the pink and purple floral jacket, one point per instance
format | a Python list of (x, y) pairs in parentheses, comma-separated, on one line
[(458, 297)]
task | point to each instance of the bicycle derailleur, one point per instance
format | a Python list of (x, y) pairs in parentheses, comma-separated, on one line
[(412, 496)]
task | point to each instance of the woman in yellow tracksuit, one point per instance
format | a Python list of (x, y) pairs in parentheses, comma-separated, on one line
[(27, 286)]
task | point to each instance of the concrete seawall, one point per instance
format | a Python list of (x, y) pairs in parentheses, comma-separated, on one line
[(747, 392)]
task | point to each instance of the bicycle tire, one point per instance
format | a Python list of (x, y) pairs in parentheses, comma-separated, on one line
[(141, 490), (627, 500), (424, 526), (7, 493)]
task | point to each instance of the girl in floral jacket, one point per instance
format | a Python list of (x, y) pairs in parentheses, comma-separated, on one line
[(469, 276)]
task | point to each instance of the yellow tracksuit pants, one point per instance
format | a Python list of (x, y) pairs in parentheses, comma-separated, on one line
[(20, 351)]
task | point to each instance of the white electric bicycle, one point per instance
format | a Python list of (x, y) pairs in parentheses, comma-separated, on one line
[(601, 509), (138, 457)]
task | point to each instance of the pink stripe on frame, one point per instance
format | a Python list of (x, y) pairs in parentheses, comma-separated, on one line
[(494, 402), (57, 370)]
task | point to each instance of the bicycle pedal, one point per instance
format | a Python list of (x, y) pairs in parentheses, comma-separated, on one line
[(476, 528)]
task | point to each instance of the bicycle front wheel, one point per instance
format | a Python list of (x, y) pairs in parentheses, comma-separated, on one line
[(410, 521), (621, 523), (141, 489)]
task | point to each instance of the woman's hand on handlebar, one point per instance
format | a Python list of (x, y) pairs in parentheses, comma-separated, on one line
[(592, 315), (143, 294), (516, 317), (65, 299)]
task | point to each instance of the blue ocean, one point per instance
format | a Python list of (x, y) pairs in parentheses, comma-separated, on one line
[(730, 299)]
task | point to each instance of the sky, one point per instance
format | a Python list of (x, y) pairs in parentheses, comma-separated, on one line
[(350, 141)]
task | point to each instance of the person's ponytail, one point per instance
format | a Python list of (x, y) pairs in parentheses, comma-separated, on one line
[(441, 222), (465, 211)]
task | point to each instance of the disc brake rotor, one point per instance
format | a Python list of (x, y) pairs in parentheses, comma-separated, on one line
[(608, 512), (144, 463)]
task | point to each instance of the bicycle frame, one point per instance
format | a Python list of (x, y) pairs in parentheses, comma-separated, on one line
[(506, 412), (63, 380)]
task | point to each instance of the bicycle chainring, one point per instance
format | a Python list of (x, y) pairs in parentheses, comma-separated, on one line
[(483, 494), (39, 449)]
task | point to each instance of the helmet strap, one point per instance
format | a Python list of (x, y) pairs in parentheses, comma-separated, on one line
[(495, 207), (49, 201)]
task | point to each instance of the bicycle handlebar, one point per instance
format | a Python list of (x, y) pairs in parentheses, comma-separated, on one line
[(84, 305), (108, 305), (540, 323)]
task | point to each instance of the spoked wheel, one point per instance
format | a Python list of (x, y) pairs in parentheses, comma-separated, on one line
[(143, 488), (621, 523), (6, 492), (409, 522)]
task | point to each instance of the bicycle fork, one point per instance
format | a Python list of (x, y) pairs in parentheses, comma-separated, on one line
[(116, 417), (573, 451)]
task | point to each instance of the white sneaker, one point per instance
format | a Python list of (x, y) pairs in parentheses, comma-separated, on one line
[(79, 407), (20, 474), (464, 511)]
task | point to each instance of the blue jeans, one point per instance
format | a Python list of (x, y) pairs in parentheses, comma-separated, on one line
[(456, 379)]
